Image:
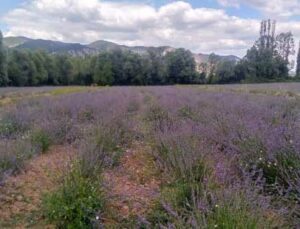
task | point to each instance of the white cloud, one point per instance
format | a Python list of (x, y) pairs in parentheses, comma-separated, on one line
[(229, 3), (176, 24), (272, 8)]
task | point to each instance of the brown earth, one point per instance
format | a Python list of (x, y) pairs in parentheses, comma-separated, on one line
[(133, 185), (20, 197)]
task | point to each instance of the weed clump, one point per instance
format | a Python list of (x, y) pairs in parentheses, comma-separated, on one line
[(41, 140), (78, 203)]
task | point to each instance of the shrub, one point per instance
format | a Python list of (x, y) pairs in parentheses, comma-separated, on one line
[(187, 172), (133, 107), (10, 127), (226, 208), (86, 115), (186, 112), (77, 204), (41, 140), (159, 118), (158, 216), (236, 213), (13, 154), (7, 129), (182, 158), (179, 194), (278, 170)]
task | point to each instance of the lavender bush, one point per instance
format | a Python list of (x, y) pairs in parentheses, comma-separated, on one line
[(229, 158), (245, 137), (67, 119)]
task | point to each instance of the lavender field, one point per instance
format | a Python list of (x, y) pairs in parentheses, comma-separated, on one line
[(151, 157)]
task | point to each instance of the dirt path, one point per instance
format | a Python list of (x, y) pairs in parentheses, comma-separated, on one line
[(133, 185), (20, 197)]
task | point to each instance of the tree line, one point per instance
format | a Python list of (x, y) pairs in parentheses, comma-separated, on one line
[(268, 60), (117, 67)]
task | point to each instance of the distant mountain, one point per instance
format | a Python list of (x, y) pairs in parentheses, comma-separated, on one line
[(105, 46), (55, 47), (204, 58), (76, 49), (12, 42)]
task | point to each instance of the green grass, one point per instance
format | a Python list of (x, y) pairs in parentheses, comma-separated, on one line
[(41, 140), (235, 215), (78, 203), (70, 90)]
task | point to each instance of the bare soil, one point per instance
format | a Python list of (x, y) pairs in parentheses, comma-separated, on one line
[(134, 184), (21, 195)]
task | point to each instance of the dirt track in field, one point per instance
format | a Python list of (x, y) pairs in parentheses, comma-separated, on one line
[(21, 195), (134, 184)]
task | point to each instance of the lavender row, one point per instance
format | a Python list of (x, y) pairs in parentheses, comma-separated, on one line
[(227, 155)]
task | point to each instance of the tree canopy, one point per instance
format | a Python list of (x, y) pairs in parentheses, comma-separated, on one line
[(267, 60), (3, 65), (117, 67), (298, 64)]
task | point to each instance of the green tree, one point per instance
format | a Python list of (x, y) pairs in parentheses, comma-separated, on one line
[(285, 45), (83, 70), (51, 67), (65, 70), (263, 65), (267, 39), (39, 60), (3, 63), (225, 72), (154, 68), (117, 61), (298, 63), (22, 70), (132, 69), (213, 60), (181, 67), (267, 60), (15, 71), (103, 72)]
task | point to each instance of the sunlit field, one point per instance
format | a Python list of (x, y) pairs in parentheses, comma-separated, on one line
[(150, 157)]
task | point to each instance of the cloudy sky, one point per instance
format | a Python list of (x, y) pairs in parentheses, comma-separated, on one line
[(221, 26)]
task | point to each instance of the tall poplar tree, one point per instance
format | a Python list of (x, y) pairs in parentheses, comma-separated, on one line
[(298, 63), (3, 68), (286, 47)]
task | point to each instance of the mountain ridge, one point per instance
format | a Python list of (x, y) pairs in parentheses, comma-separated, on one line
[(96, 47)]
